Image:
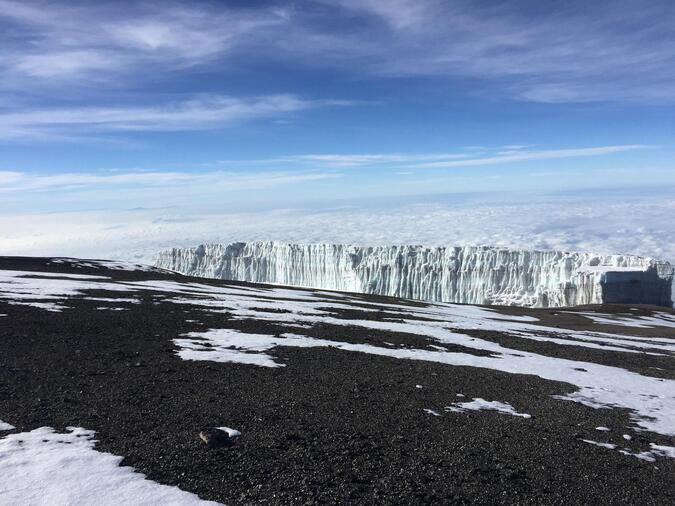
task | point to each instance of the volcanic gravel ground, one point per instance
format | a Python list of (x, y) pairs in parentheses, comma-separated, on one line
[(332, 426)]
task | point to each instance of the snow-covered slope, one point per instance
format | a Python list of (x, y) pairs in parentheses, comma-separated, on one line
[(474, 275)]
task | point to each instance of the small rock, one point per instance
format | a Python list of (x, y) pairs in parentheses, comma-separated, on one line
[(216, 438)]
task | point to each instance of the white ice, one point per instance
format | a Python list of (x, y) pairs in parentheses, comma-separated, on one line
[(472, 274)]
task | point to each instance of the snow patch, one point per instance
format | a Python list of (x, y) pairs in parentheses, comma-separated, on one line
[(602, 445), (47, 306), (648, 456), (44, 467), (108, 264), (233, 433), (479, 404), (664, 451), (6, 426), (642, 322)]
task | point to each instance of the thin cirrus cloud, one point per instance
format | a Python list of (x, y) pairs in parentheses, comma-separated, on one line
[(361, 160), (64, 41), (576, 52), (20, 182), (470, 158), (201, 113), (518, 155)]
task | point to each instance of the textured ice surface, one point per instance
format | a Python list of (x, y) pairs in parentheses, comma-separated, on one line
[(42, 467), (472, 275)]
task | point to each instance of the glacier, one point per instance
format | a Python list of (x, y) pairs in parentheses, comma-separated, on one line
[(468, 274)]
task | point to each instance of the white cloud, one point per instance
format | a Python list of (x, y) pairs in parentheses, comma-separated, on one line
[(467, 158), (597, 222), (518, 155), (70, 41), (355, 160), (18, 182), (196, 114), (66, 63), (578, 52)]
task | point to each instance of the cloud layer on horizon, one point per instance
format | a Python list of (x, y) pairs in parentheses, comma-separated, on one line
[(596, 223)]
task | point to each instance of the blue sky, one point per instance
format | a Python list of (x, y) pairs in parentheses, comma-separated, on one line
[(218, 105)]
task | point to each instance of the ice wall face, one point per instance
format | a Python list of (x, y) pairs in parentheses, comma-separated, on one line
[(474, 275)]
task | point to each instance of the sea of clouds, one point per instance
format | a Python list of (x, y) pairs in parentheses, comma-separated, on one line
[(602, 223)]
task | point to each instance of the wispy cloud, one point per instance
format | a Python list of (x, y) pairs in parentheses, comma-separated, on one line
[(577, 52), (199, 113), (65, 41), (518, 155), (469, 157), (360, 160), (20, 182)]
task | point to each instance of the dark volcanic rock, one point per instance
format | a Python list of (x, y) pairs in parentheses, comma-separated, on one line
[(331, 426), (216, 438)]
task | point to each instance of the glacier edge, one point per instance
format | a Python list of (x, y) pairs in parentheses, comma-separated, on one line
[(469, 274)]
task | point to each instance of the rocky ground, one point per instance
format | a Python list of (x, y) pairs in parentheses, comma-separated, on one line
[(367, 418)]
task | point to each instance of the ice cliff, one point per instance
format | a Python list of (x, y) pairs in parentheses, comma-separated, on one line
[(474, 275)]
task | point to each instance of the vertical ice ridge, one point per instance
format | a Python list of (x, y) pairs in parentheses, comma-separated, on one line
[(470, 274)]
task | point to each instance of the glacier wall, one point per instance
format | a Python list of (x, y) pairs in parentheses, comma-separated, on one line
[(473, 275)]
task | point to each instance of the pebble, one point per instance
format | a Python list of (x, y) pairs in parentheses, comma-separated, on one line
[(216, 438)]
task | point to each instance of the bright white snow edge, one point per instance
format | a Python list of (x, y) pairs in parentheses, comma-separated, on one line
[(6, 426), (44, 467)]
